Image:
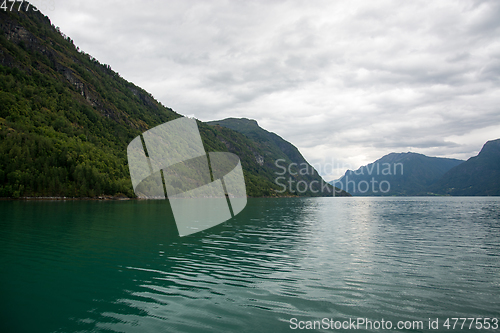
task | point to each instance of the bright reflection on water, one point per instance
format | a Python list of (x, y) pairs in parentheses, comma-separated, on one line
[(82, 266)]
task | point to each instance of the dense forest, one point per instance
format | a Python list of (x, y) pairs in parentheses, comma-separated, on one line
[(66, 119)]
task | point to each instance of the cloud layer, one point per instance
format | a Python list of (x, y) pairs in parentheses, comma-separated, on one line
[(346, 82)]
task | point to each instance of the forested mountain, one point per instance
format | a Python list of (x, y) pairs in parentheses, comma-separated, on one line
[(479, 175), (289, 168), (66, 119), (396, 174)]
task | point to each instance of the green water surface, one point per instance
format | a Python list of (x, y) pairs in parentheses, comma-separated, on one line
[(119, 266)]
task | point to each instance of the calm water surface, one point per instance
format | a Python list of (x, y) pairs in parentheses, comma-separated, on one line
[(86, 266)]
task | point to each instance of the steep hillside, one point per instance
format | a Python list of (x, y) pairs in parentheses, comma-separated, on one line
[(282, 160), (272, 142), (396, 174), (479, 175), (66, 119)]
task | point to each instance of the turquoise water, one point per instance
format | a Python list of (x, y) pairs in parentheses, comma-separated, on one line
[(90, 266)]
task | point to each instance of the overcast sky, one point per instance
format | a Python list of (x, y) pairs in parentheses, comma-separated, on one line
[(345, 81)]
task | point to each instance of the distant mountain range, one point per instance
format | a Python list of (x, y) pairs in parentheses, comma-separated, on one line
[(406, 174), (66, 121)]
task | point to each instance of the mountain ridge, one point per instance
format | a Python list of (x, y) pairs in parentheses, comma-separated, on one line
[(398, 174), (289, 166), (479, 175), (66, 119)]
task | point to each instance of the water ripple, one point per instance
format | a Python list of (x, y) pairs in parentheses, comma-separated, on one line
[(341, 258)]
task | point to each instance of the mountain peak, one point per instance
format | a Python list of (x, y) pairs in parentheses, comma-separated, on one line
[(278, 154), (490, 147), (479, 175), (236, 121), (397, 174)]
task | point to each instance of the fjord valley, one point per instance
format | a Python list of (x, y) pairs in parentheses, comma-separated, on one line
[(66, 120), (344, 78)]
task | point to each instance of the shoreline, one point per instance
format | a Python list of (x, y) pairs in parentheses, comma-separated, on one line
[(114, 198), (100, 198)]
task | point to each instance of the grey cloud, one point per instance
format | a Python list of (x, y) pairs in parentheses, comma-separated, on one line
[(457, 57), (326, 75), (486, 21)]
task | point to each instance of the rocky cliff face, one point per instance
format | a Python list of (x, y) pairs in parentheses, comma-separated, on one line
[(35, 34)]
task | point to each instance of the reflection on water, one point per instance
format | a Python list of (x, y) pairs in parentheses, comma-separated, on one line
[(120, 266)]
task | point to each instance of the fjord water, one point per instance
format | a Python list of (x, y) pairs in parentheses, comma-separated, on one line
[(81, 266)]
